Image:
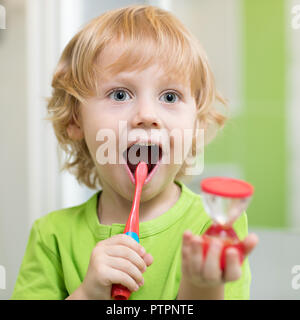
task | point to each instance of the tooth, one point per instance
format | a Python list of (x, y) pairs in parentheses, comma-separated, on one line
[(146, 144)]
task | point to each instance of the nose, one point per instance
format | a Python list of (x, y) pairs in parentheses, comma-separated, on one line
[(146, 116)]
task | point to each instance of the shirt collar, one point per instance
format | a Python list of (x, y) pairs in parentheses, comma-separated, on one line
[(147, 228)]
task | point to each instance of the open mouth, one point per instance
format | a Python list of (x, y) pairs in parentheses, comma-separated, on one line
[(150, 154)]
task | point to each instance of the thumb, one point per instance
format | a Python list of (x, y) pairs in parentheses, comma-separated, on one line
[(250, 243)]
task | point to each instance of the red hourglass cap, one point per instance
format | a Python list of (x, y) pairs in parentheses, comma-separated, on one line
[(227, 187)]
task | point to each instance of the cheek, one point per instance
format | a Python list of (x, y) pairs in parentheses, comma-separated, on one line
[(186, 116), (92, 144), (184, 123), (101, 134), (181, 136), (100, 137)]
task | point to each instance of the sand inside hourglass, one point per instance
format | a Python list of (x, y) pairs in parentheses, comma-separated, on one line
[(224, 210)]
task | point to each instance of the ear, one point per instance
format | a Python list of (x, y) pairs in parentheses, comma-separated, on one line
[(74, 130)]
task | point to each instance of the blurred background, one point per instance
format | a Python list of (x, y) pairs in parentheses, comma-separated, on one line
[(254, 50)]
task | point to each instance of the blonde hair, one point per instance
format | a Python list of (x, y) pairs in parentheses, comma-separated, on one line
[(148, 34)]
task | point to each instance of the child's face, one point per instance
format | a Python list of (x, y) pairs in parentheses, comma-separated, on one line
[(145, 100)]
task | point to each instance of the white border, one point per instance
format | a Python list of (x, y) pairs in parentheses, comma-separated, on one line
[(293, 118)]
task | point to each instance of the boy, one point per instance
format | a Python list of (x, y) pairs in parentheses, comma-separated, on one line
[(141, 66)]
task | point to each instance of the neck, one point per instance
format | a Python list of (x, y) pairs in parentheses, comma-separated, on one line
[(113, 208)]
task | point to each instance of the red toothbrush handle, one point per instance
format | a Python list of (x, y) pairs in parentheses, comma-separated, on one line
[(119, 292)]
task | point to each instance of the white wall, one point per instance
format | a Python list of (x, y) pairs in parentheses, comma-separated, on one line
[(293, 115), (271, 265)]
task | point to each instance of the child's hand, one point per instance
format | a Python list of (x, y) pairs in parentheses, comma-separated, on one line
[(208, 273), (117, 260)]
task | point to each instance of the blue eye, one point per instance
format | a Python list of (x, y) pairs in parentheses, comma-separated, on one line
[(170, 97), (119, 95)]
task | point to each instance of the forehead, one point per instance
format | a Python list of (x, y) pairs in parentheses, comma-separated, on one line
[(118, 59)]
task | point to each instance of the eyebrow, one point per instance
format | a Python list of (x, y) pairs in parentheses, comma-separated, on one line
[(163, 81)]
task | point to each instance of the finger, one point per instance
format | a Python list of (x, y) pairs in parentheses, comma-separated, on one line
[(196, 256), (211, 267), (127, 267), (120, 277), (127, 253), (250, 243), (148, 259), (187, 236), (125, 240), (186, 251), (232, 270)]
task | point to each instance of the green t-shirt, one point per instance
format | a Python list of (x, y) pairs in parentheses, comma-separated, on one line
[(60, 244)]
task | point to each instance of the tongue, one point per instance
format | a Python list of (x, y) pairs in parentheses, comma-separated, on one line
[(138, 153)]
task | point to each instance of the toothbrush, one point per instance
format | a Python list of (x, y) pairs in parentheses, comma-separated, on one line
[(119, 292)]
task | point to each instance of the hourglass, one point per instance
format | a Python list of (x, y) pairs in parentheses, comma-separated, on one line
[(225, 199)]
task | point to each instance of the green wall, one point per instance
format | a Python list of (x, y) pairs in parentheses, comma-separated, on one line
[(256, 139)]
